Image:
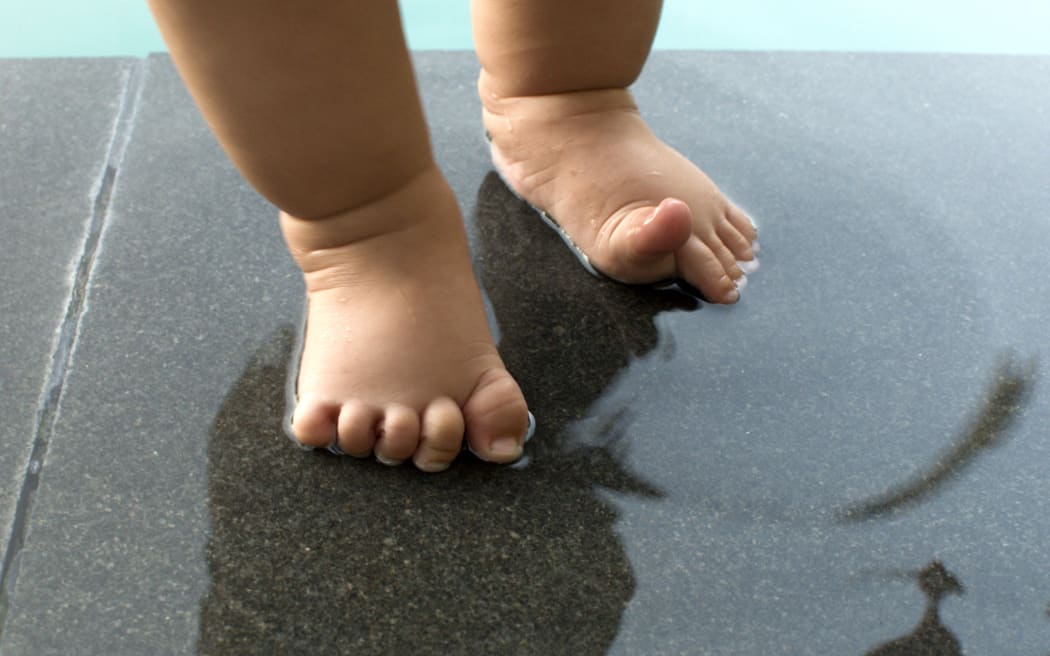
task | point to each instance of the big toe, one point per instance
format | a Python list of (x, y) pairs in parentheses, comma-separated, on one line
[(314, 422), (644, 241), (496, 418)]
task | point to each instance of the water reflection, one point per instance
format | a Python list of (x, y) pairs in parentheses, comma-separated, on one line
[(311, 553), (1010, 389), (929, 637), (565, 334)]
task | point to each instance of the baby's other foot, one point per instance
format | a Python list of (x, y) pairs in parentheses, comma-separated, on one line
[(638, 210), (398, 359)]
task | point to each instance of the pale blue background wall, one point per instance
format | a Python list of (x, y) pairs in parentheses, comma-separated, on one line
[(43, 28)]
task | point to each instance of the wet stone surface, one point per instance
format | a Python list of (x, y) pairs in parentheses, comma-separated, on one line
[(851, 460), (56, 125)]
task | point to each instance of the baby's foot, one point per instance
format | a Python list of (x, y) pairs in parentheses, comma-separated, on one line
[(398, 358), (638, 210)]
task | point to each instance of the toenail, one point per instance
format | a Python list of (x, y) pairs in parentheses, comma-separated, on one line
[(389, 462), (748, 266), (505, 448), (430, 466), (733, 296), (755, 247), (741, 283)]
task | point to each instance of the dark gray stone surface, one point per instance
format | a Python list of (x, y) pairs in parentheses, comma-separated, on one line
[(57, 122), (766, 478)]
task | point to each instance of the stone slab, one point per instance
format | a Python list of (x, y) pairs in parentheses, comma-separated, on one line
[(766, 478), (57, 123)]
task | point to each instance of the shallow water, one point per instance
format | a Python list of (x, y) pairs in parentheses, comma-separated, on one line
[(765, 478)]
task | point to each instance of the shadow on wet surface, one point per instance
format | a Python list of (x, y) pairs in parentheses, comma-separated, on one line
[(315, 553), (1005, 399), (929, 637), (564, 334)]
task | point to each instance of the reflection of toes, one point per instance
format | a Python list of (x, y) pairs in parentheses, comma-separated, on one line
[(397, 436), (357, 428), (441, 438)]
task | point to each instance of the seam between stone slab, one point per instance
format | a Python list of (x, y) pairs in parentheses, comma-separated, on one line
[(69, 329)]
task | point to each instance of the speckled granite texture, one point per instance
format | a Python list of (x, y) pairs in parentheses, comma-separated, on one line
[(850, 461), (57, 123)]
